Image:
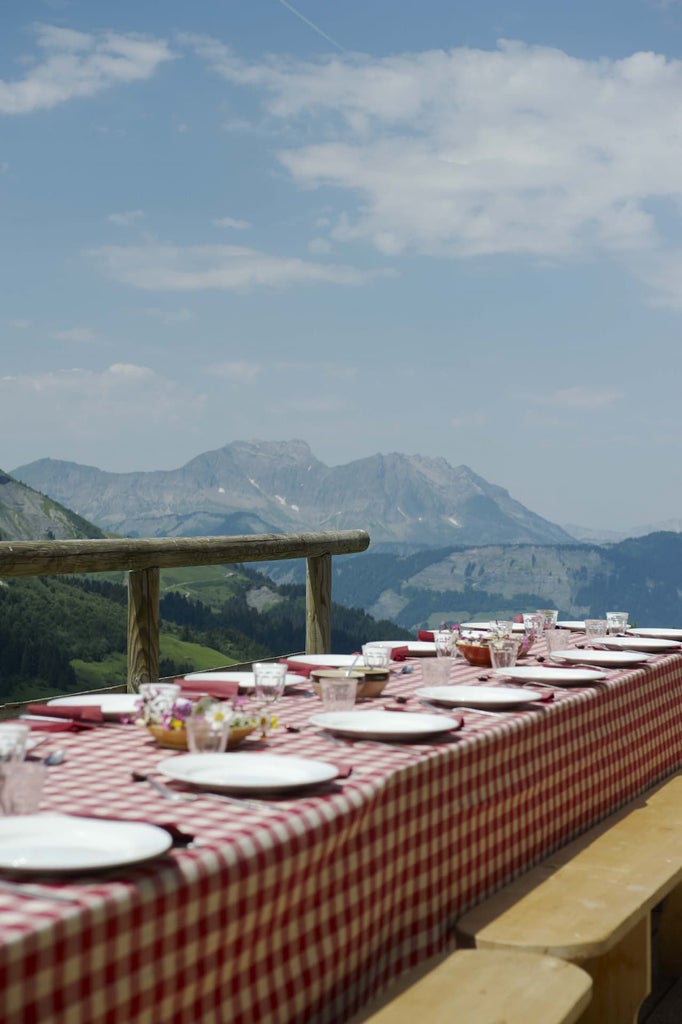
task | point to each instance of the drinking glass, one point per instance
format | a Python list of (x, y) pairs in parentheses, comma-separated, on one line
[(616, 622), (595, 628), (21, 786), (435, 671), (269, 678), (503, 652), (533, 624), (209, 734), (555, 640), (502, 627), (549, 617), (444, 639), (338, 692), (376, 655), (158, 698), (13, 737)]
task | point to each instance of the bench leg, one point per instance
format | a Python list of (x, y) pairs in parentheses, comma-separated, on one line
[(621, 979), (669, 934)]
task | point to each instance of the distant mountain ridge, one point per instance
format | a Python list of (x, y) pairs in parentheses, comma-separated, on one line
[(280, 487), (27, 515)]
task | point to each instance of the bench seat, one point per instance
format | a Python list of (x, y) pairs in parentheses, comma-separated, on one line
[(487, 987), (590, 902)]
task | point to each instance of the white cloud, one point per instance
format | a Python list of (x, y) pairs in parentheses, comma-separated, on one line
[(78, 334), (218, 267), (20, 324), (232, 222), (78, 64), (238, 371), (467, 152), (84, 412), (126, 218), (575, 398), (171, 317)]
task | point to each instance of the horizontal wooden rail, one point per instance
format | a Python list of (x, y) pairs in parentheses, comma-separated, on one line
[(144, 558), (46, 558)]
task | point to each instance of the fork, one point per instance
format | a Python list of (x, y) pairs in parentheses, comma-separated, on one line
[(170, 794)]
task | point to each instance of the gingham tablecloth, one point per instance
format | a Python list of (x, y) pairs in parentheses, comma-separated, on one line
[(299, 912)]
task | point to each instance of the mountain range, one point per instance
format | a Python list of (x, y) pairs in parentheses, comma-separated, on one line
[(280, 487), (27, 515)]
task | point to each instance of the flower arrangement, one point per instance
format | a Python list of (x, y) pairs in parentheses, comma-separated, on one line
[(166, 721)]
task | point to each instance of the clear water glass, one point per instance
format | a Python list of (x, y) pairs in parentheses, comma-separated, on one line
[(595, 628), (21, 786), (556, 640), (13, 738), (338, 693), (269, 679), (208, 735), (616, 622), (549, 617), (444, 639), (376, 655), (503, 652)]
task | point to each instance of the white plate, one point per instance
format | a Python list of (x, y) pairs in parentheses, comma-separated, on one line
[(662, 634), (245, 679), (383, 725), (413, 646), (247, 773), (555, 676), (112, 704), (577, 625), (327, 660), (607, 659), (38, 843), (654, 645), (478, 696)]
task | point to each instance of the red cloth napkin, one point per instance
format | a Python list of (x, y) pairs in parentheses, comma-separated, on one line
[(400, 653), (65, 726), (221, 688), (90, 713), (301, 668), (425, 634)]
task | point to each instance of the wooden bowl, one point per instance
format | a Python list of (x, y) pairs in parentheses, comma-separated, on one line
[(371, 681), (475, 654), (176, 739)]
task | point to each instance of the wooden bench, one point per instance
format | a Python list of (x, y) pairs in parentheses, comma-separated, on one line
[(489, 987), (591, 901)]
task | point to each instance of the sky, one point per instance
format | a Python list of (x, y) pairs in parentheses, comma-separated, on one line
[(439, 228)]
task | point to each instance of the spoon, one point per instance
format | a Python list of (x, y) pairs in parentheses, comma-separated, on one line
[(54, 757)]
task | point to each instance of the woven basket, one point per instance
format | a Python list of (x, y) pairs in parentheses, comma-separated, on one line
[(176, 739)]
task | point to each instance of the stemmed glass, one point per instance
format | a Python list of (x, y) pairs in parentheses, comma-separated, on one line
[(269, 678)]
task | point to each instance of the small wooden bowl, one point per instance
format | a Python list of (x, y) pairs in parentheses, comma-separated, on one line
[(176, 739), (475, 654), (371, 681)]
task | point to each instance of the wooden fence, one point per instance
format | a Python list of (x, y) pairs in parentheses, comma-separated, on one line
[(143, 560)]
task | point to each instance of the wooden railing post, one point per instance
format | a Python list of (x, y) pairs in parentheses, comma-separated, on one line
[(143, 626), (318, 633)]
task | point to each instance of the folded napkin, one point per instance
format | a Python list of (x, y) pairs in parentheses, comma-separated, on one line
[(426, 635), (400, 653), (302, 668), (91, 714), (222, 688)]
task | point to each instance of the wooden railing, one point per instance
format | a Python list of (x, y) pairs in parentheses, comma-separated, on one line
[(143, 560)]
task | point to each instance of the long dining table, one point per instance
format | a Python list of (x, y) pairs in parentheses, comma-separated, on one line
[(299, 909)]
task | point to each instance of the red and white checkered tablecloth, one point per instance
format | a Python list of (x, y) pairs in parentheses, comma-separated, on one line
[(297, 913)]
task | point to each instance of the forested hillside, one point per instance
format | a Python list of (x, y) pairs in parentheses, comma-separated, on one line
[(59, 635)]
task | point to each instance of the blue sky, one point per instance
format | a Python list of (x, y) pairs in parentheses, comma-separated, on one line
[(444, 228)]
